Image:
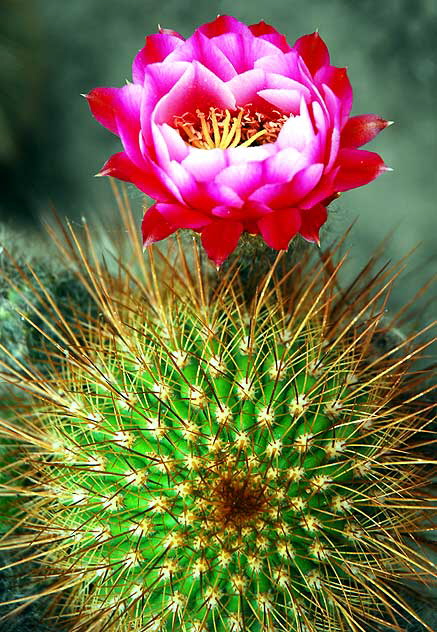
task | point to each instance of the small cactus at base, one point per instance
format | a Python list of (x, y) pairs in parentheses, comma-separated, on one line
[(198, 463)]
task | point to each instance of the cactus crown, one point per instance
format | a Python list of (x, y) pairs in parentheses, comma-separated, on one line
[(201, 463)]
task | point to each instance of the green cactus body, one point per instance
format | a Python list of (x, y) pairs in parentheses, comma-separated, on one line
[(217, 467)]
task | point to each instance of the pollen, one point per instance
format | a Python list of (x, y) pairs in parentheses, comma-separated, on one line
[(222, 129)]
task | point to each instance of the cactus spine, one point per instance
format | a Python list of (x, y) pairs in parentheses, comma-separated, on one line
[(198, 462)]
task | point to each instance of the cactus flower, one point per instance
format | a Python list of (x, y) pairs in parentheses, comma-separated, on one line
[(233, 130)]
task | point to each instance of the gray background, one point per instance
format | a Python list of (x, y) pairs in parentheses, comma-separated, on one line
[(51, 51)]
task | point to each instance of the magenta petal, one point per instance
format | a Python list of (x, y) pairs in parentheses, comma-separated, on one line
[(270, 34), (338, 81), (244, 179), (220, 238), (306, 179), (176, 147), (197, 87), (154, 227), (242, 51), (284, 165), (182, 216), (287, 101), (278, 227), (246, 85), (289, 194), (159, 79), (322, 191), (149, 180), (222, 195), (223, 24), (118, 109), (312, 220), (128, 121), (157, 48), (360, 130), (285, 65), (313, 51), (357, 167), (103, 105), (297, 131), (203, 50), (205, 165)]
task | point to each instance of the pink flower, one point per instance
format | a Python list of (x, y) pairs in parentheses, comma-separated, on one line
[(235, 130)]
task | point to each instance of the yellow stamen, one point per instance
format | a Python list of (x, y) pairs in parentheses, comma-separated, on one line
[(205, 130), (235, 133), (220, 130)]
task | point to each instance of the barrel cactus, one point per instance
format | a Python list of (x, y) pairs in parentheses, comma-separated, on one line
[(196, 461)]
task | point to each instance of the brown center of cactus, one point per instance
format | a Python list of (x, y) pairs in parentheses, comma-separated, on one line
[(238, 501)]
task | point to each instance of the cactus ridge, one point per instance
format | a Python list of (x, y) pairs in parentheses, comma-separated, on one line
[(204, 464)]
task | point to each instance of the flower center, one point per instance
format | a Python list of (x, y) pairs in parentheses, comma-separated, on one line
[(222, 129)]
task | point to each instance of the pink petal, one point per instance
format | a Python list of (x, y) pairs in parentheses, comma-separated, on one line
[(242, 51), (128, 121), (159, 79), (270, 34), (203, 50), (313, 51), (182, 216), (360, 130), (157, 48), (220, 238), (284, 165), (223, 24), (338, 81), (154, 227), (321, 118), (312, 220), (287, 101), (197, 87), (278, 227), (177, 148), (246, 85), (222, 195), (103, 103), (298, 131), (182, 179), (291, 193), (254, 153), (324, 189), (357, 167), (285, 65), (243, 179), (205, 165), (149, 180)]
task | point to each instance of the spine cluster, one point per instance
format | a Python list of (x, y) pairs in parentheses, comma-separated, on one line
[(197, 463)]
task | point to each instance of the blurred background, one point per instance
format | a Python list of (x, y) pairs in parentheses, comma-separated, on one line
[(50, 146)]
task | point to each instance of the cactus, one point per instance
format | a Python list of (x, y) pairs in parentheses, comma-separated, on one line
[(198, 461)]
